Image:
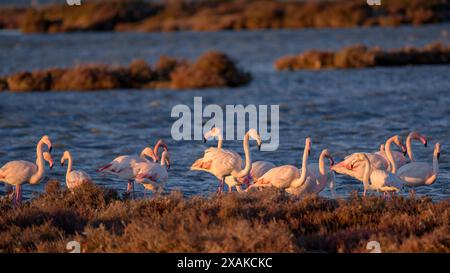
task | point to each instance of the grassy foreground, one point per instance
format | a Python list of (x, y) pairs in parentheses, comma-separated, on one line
[(258, 222)]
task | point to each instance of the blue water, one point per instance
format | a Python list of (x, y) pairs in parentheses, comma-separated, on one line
[(343, 110)]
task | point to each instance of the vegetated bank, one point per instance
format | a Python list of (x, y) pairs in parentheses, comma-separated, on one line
[(212, 69), (359, 56), (132, 15), (267, 221)]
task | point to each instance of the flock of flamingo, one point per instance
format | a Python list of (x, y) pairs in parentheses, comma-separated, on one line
[(384, 171)]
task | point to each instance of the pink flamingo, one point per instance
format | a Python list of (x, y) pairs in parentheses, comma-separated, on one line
[(377, 161), (123, 166), (19, 172), (379, 180), (319, 177), (74, 178), (399, 157), (153, 176), (259, 168), (222, 163), (286, 177), (421, 173)]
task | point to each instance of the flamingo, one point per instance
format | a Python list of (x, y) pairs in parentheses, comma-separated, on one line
[(399, 157), (259, 168), (222, 163), (421, 173), (379, 180), (377, 161), (19, 172), (122, 166), (286, 177), (74, 178), (153, 176), (320, 177)]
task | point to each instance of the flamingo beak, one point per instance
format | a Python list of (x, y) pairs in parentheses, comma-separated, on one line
[(50, 149), (424, 141), (259, 146), (331, 161), (51, 165), (62, 164), (438, 155), (204, 139)]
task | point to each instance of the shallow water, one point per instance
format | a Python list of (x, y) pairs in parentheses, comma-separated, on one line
[(343, 110)]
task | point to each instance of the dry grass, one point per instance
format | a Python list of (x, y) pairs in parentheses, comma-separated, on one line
[(267, 221), (212, 69), (207, 15), (358, 56)]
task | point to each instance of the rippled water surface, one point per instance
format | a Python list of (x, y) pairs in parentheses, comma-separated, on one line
[(343, 110)]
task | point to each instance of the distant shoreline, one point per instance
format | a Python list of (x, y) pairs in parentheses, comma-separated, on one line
[(121, 15)]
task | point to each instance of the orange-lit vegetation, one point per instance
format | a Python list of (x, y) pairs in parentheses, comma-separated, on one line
[(358, 56), (267, 221), (176, 15), (212, 69)]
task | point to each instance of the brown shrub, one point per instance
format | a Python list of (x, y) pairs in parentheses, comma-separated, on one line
[(268, 221), (358, 56), (212, 69)]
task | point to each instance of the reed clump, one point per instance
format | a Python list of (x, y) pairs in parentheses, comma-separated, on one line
[(360, 56), (212, 69), (268, 221)]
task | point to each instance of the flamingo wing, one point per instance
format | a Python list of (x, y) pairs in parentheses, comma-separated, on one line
[(280, 177), (17, 172)]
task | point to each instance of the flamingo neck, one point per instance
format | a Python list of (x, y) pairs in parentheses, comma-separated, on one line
[(220, 141), (297, 183), (163, 159), (389, 156), (435, 165), (409, 148), (322, 163), (69, 165), (366, 175), (248, 160), (36, 178)]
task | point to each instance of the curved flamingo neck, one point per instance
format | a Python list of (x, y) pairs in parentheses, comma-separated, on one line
[(409, 148), (248, 160), (69, 164), (40, 164), (163, 159), (389, 156), (322, 170), (302, 179)]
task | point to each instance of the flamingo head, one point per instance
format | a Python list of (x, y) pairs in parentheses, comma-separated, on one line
[(327, 154), (166, 157), (214, 132), (48, 158), (382, 148), (46, 140), (437, 150), (159, 143), (417, 136), (254, 135), (148, 152), (65, 157), (398, 140)]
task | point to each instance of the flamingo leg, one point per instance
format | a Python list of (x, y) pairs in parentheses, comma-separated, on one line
[(364, 193), (18, 198)]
